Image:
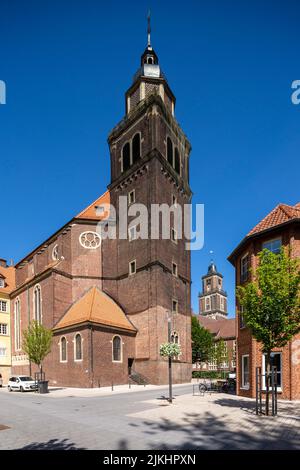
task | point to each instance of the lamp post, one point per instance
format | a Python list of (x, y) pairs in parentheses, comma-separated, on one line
[(170, 358)]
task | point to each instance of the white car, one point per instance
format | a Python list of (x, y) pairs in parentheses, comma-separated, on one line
[(21, 383)]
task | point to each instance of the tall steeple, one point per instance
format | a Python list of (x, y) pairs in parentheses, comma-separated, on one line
[(213, 299), (149, 79)]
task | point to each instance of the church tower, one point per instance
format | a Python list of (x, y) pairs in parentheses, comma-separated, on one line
[(150, 278), (213, 299)]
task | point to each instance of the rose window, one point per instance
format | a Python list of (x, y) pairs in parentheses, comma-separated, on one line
[(90, 240)]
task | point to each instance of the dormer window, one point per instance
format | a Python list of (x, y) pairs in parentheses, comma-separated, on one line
[(2, 282), (150, 60)]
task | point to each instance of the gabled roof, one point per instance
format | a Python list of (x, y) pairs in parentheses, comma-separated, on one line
[(8, 274), (90, 212), (95, 307), (281, 214), (220, 328)]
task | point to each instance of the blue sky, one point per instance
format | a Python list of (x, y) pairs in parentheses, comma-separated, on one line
[(67, 65)]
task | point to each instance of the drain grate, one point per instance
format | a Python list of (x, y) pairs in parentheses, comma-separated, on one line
[(2, 427)]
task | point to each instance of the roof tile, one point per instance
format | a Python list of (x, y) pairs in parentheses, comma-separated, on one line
[(96, 307)]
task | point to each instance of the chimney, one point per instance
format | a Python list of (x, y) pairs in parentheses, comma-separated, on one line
[(3, 263)]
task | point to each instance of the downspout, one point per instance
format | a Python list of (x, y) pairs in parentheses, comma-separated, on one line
[(91, 357), (28, 312)]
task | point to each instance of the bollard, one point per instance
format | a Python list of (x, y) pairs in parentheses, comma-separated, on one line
[(112, 386), (129, 384)]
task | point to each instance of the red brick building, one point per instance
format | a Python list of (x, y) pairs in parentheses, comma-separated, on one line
[(221, 329), (280, 227), (108, 300)]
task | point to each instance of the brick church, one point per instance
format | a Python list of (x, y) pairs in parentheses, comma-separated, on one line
[(108, 301)]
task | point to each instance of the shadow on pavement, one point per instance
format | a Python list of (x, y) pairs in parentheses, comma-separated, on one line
[(52, 444)]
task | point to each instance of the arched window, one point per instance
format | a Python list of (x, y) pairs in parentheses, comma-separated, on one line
[(150, 60), (126, 156), (174, 338), (37, 304), (63, 349), (17, 325), (78, 347), (117, 349), (136, 148), (177, 161), (169, 151)]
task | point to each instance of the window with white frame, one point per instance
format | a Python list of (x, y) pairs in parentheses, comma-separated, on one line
[(131, 197), (17, 324), (174, 269), (207, 304), (241, 317), (245, 265), (117, 349), (132, 233), (3, 352), (37, 304), (3, 306), (78, 347), (245, 371), (2, 282), (3, 329), (63, 349), (174, 306), (273, 245), (233, 358), (174, 235), (132, 267), (276, 361)]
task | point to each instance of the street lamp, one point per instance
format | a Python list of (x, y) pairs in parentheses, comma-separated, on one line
[(170, 358)]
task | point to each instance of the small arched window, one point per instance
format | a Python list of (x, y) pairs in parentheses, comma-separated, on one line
[(37, 304), (177, 161), (150, 60), (136, 148), (126, 156), (174, 338), (117, 345), (63, 349), (78, 347), (169, 151)]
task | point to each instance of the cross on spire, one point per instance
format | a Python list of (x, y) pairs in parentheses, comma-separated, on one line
[(149, 29)]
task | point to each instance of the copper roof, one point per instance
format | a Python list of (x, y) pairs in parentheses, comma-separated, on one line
[(220, 328), (8, 274), (95, 307)]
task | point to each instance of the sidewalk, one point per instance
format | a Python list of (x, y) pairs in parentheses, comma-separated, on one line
[(61, 392)]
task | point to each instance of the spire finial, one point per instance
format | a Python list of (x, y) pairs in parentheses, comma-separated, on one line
[(149, 28), (211, 253)]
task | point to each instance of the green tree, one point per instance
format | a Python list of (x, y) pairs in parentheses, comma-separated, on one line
[(202, 342), (37, 343), (220, 354), (271, 303)]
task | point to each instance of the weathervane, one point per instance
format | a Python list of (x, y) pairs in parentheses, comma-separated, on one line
[(149, 29)]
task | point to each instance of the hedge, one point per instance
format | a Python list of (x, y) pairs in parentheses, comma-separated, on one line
[(209, 374)]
